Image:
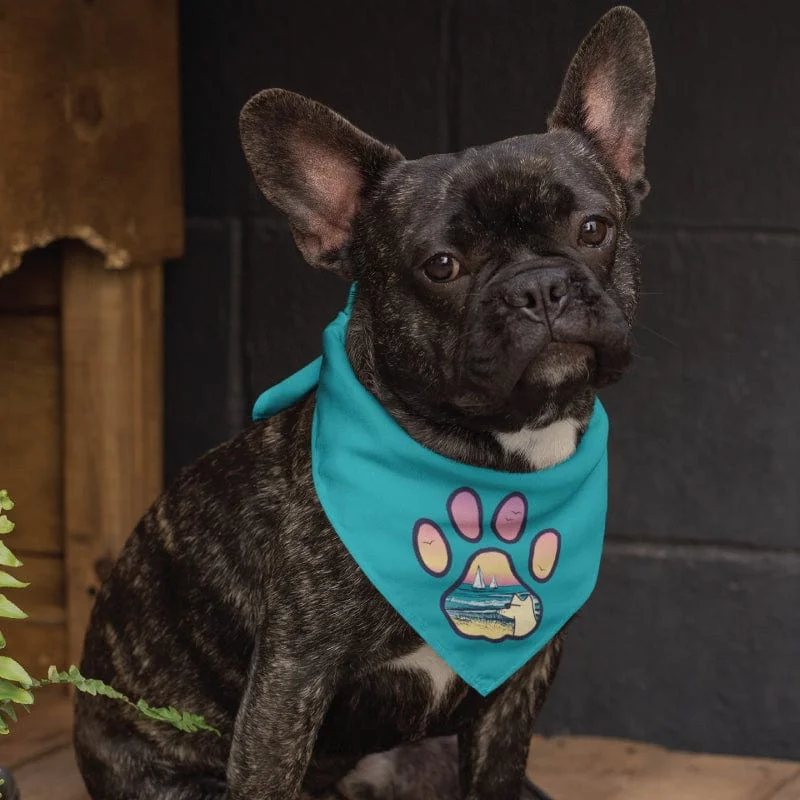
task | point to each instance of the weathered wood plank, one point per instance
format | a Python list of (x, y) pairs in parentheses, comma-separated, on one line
[(47, 728), (30, 433), (53, 777), (36, 645), (700, 777), (113, 354), (45, 600), (36, 285), (789, 791), (95, 145), (600, 769), (607, 769)]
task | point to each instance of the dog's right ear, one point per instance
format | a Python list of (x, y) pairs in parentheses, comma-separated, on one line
[(314, 166)]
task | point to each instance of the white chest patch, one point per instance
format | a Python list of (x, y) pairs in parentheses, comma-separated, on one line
[(426, 660), (543, 447)]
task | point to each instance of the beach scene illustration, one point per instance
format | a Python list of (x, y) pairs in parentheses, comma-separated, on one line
[(490, 601)]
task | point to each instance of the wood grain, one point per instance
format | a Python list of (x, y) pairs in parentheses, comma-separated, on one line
[(30, 434), (94, 148), (53, 777), (113, 354), (37, 645), (577, 768), (45, 600), (790, 790), (47, 728)]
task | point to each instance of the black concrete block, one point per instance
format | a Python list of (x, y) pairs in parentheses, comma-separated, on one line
[(288, 303), (203, 400), (705, 427), (724, 146), (691, 648), (378, 64), (511, 58)]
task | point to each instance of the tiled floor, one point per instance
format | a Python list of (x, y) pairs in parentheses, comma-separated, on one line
[(572, 768)]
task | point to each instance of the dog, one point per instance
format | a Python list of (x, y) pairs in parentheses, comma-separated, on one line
[(496, 289), (522, 612)]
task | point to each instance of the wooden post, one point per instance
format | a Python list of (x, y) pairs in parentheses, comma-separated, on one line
[(113, 360)]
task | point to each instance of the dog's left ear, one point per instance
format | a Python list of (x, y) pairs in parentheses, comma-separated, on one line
[(608, 95)]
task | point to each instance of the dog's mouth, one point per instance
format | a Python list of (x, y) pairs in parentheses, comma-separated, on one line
[(557, 370), (561, 362), (557, 367), (564, 365)]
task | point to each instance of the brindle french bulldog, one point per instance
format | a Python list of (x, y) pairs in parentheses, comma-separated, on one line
[(496, 291)]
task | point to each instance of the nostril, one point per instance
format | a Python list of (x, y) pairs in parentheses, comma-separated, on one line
[(541, 293)]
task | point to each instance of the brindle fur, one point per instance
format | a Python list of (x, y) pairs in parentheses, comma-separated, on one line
[(297, 674)]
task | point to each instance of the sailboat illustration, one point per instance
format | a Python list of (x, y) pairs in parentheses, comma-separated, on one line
[(493, 583), (478, 583)]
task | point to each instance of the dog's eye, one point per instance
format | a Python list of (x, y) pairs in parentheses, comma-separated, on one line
[(594, 232), (442, 268)]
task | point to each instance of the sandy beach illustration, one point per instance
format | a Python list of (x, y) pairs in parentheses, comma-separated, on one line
[(490, 601)]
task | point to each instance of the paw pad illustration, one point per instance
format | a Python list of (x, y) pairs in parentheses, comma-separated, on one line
[(490, 600)]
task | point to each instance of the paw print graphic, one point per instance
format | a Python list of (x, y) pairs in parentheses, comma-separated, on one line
[(489, 600)]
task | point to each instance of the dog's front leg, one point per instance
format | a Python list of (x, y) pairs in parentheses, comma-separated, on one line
[(287, 696), (493, 748)]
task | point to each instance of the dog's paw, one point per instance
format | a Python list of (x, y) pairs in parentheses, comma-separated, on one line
[(489, 600)]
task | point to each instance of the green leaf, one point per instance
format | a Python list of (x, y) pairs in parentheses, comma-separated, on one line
[(2, 641), (7, 708), (9, 610), (10, 691), (10, 670), (6, 503), (182, 720), (87, 685), (7, 558), (10, 582), (6, 525)]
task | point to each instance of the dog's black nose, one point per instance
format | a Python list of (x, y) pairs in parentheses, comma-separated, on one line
[(542, 293)]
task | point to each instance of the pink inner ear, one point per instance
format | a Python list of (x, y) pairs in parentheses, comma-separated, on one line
[(510, 517), (332, 185), (612, 135), (464, 509)]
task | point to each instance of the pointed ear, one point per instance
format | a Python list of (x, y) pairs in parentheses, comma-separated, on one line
[(314, 166), (608, 95)]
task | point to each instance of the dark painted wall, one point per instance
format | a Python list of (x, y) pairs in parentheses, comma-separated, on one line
[(693, 637)]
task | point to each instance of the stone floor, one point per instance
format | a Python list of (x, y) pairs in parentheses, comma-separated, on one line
[(568, 768)]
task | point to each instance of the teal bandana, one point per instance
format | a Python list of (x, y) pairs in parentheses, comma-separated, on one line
[(486, 566)]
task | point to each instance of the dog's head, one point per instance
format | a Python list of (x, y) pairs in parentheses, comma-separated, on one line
[(495, 282)]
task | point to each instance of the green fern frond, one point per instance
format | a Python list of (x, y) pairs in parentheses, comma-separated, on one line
[(182, 720), (7, 558), (9, 610), (15, 683)]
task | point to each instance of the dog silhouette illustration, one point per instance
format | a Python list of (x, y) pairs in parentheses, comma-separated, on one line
[(522, 611)]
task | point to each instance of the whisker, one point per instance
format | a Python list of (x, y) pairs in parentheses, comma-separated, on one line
[(660, 335)]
